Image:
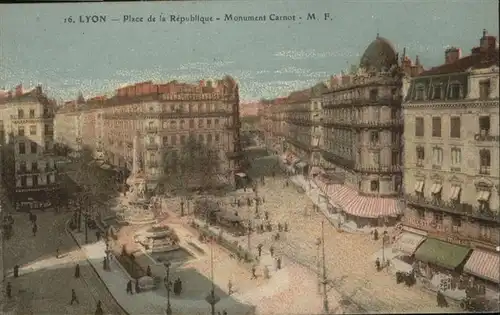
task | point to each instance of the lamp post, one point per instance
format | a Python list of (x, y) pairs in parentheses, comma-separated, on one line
[(212, 298), (168, 285), (318, 263), (325, 280)]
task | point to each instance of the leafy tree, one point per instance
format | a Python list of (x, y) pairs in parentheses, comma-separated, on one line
[(194, 165)]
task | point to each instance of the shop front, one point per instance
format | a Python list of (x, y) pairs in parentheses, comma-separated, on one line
[(440, 264), (36, 199), (484, 268)]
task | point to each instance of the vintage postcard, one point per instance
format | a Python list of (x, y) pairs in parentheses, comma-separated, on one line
[(249, 157)]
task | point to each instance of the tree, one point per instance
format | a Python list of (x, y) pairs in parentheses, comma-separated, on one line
[(194, 165)]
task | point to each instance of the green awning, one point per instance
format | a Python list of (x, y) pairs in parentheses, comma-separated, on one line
[(441, 253)]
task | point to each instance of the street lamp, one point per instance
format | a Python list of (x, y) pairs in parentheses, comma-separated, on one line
[(168, 285), (212, 298), (318, 264), (325, 280)]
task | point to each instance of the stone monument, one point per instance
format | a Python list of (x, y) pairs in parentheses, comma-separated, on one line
[(134, 206)]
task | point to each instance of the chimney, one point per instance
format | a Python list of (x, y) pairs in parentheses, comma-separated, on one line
[(334, 81), (346, 79), (417, 61), (38, 89), (487, 43), (452, 54), (19, 90)]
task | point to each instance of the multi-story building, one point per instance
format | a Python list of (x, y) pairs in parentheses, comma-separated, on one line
[(68, 127), (164, 117), (362, 131), (302, 110), (451, 158), (29, 167)]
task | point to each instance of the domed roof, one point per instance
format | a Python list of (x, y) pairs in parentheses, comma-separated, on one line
[(379, 55)]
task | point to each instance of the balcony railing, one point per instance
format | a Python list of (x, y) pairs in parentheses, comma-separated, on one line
[(388, 100), (152, 146), (363, 124), (448, 230), (485, 170), (379, 169), (452, 207), (234, 154)]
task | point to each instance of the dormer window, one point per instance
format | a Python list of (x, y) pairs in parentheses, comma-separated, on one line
[(455, 91), (484, 89), (437, 92), (419, 93)]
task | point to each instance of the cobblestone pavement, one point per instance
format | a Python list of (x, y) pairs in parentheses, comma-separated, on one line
[(45, 282)]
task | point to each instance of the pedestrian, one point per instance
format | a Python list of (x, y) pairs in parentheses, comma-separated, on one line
[(262, 200), (98, 235), (224, 312), (286, 183), (248, 202), (266, 272), (73, 297), (286, 227), (98, 310), (148, 271), (279, 227), (238, 203), (8, 290), (77, 271), (259, 249), (278, 263), (271, 251), (377, 264), (266, 215), (16, 271), (375, 235), (129, 287), (57, 252), (35, 228), (254, 269), (137, 288), (104, 263), (229, 287)]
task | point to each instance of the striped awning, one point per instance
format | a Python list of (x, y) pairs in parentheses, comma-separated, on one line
[(362, 206), (408, 242), (484, 264)]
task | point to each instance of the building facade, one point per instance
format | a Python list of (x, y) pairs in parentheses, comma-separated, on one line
[(451, 158), (362, 131), (29, 167), (302, 117), (165, 116)]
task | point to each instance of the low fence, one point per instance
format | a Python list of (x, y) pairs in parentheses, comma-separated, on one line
[(232, 246)]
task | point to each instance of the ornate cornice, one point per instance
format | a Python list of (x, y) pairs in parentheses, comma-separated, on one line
[(453, 104)]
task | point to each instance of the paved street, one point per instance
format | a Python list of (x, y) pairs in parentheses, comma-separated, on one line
[(349, 257), (45, 282)]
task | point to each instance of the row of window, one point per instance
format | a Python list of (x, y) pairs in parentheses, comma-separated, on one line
[(25, 166), (456, 158), (483, 194), (48, 130), (455, 91), (21, 147), (202, 123), (20, 113), (35, 180), (455, 126), (172, 140)]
